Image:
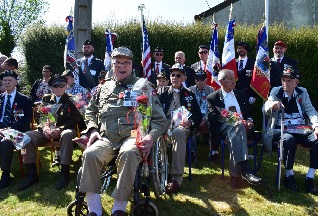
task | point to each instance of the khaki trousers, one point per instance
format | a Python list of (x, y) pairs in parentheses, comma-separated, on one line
[(37, 138), (99, 155)]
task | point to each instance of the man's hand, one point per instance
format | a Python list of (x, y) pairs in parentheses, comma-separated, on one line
[(146, 144), (276, 105), (185, 124), (248, 124), (56, 133), (94, 135), (316, 132)]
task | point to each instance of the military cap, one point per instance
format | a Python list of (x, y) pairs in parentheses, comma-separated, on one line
[(68, 73), (243, 44), (291, 73), (200, 73), (122, 51), (178, 67), (203, 47), (57, 79), (158, 49), (7, 73), (88, 42), (280, 43), (162, 75)]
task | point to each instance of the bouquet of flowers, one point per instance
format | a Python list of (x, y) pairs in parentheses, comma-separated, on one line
[(48, 117), (18, 138), (80, 103), (230, 117), (181, 114)]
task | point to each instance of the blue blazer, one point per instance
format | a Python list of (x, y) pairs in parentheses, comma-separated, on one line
[(22, 104), (96, 65)]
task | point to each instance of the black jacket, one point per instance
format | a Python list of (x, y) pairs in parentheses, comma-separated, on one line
[(95, 65), (245, 77), (164, 69)]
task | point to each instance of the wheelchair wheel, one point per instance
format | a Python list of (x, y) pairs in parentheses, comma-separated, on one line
[(151, 210), (159, 167), (72, 210)]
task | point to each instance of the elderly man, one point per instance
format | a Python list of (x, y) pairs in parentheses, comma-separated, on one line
[(110, 125), (12, 103), (67, 119), (179, 57), (298, 110), (172, 97), (89, 67), (202, 64), (158, 66), (279, 62), (228, 99)]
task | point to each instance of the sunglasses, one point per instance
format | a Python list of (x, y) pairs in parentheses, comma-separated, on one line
[(205, 52), (159, 54), (58, 85), (176, 75), (200, 78)]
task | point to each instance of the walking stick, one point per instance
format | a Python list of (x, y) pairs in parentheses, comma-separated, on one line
[(281, 147)]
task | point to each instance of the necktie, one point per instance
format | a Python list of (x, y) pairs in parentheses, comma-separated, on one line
[(7, 112), (278, 62), (157, 68), (85, 66), (241, 65)]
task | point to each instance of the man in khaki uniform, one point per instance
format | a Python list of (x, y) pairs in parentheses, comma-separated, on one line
[(110, 121)]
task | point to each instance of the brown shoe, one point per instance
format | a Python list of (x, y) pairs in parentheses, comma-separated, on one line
[(172, 187), (119, 213)]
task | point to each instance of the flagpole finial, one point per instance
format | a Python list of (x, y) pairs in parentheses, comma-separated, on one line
[(141, 7)]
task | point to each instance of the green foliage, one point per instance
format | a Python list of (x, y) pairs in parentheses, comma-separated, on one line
[(15, 15), (45, 45)]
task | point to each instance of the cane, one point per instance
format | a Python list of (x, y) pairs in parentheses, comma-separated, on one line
[(281, 147)]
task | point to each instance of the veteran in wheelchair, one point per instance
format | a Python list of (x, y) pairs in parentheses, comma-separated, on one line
[(110, 125)]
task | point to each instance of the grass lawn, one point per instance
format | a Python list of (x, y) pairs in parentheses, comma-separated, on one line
[(207, 194)]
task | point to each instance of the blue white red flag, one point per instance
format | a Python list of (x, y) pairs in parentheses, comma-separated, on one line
[(213, 60), (110, 38), (228, 55), (146, 54), (70, 50), (260, 82)]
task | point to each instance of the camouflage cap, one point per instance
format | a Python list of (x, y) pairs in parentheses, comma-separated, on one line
[(122, 51)]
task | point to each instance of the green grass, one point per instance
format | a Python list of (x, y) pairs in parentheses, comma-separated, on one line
[(207, 194)]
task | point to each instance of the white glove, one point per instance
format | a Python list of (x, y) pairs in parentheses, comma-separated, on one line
[(252, 100)]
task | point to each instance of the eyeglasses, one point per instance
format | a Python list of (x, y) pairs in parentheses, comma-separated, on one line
[(125, 64), (205, 52), (159, 54), (200, 78), (176, 75), (58, 85)]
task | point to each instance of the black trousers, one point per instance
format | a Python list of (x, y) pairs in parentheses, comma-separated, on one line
[(290, 147), (6, 154)]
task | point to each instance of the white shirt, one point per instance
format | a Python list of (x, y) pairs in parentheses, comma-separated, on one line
[(13, 94), (159, 66), (230, 100), (88, 61), (244, 62)]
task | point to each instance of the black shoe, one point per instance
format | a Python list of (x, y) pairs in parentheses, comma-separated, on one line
[(64, 179), (235, 182), (119, 213), (251, 179), (216, 159), (5, 182), (310, 186), (91, 214), (29, 181), (290, 183)]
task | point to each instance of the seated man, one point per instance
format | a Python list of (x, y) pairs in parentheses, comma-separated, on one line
[(11, 102), (110, 126), (162, 80), (66, 122), (172, 97), (73, 88), (227, 98), (298, 109), (201, 91)]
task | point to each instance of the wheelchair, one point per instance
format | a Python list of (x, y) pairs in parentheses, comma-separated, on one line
[(156, 173)]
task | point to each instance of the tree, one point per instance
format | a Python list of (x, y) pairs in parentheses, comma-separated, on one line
[(15, 15)]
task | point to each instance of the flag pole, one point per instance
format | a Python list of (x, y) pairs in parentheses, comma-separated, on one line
[(266, 17), (231, 9)]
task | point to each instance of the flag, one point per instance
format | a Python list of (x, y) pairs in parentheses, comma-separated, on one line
[(260, 79), (213, 60), (146, 54), (110, 38), (228, 55), (70, 50)]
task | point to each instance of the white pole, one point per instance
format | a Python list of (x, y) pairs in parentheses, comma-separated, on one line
[(266, 17)]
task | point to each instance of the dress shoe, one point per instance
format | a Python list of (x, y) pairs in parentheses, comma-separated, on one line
[(216, 159), (119, 213), (235, 182), (5, 182), (31, 178), (172, 187), (310, 186), (251, 179), (290, 183)]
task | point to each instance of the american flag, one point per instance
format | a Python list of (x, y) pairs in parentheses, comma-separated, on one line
[(146, 54), (110, 38), (213, 59), (228, 55), (261, 74), (70, 50)]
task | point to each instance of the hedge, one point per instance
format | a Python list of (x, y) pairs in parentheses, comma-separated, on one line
[(45, 45)]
